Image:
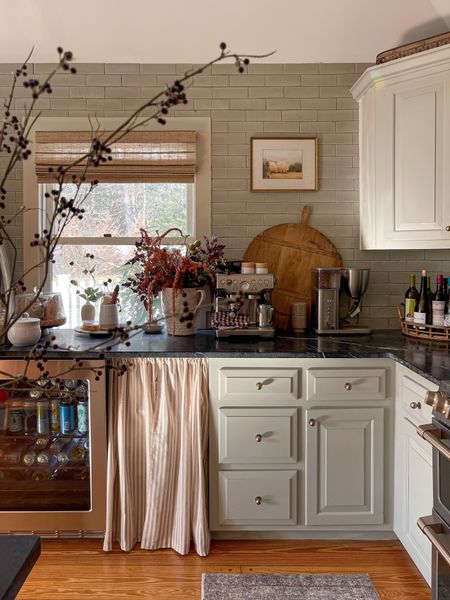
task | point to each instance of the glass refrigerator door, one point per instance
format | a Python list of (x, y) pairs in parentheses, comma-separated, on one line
[(44, 446), (48, 455)]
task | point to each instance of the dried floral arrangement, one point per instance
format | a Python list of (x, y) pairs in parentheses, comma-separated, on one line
[(189, 266), (16, 127)]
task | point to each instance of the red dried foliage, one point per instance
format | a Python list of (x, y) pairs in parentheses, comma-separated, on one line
[(164, 267)]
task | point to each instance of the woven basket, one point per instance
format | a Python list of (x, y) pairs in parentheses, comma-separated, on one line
[(434, 333)]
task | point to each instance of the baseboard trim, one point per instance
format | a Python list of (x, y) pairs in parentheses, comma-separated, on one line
[(303, 535)]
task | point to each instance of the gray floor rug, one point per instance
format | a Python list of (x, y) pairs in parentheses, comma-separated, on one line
[(224, 586)]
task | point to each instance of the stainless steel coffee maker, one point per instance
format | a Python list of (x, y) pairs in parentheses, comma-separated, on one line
[(328, 282), (246, 298)]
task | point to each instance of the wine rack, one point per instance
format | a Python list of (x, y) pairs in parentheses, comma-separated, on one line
[(422, 331)]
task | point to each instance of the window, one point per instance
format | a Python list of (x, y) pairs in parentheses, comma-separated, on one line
[(153, 185), (114, 214)]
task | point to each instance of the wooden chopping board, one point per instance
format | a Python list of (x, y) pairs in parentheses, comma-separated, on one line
[(291, 250)]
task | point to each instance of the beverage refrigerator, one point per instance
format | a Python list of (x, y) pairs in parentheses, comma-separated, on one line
[(52, 449)]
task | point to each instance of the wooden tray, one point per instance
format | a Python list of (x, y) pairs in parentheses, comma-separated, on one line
[(433, 333), (414, 48), (291, 250)]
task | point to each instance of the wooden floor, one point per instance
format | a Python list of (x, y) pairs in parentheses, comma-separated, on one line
[(75, 569)]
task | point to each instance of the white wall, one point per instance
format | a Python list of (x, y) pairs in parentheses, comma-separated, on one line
[(151, 31)]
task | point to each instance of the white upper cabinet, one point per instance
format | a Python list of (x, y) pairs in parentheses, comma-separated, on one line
[(404, 118)]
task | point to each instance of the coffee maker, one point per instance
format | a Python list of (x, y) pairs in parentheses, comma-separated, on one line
[(246, 298), (328, 282)]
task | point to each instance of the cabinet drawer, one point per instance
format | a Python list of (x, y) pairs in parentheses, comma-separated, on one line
[(257, 497), (257, 435), (413, 400), (259, 383), (346, 384)]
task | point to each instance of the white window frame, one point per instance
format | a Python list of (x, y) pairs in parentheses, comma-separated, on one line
[(199, 218)]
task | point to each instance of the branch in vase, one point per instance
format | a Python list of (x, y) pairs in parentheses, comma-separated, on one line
[(14, 140)]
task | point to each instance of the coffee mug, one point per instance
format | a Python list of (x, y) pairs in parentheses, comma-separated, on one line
[(298, 308)]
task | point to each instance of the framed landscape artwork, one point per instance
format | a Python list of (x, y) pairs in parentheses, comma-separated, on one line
[(283, 164)]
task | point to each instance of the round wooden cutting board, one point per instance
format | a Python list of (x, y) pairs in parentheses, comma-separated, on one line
[(291, 250)]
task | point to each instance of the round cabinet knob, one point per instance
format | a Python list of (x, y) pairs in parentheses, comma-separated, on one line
[(259, 385), (414, 405), (447, 228), (258, 500), (258, 437), (312, 422), (348, 386)]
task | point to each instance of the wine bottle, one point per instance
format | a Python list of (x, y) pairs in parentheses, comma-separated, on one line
[(422, 311), (411, 298), (438, 303)]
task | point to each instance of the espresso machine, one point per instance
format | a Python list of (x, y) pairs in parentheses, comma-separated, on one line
[(242, 305), (328, 284)]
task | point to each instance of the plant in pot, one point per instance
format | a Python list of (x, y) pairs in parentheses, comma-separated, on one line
[(91, 294), (180, 274)]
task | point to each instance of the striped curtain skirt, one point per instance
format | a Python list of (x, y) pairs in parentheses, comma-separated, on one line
[(157, 455)]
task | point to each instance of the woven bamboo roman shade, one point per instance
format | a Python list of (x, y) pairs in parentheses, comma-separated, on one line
[(139, 156)]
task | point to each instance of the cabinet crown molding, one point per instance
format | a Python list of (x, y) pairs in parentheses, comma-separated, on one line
[(433, 60)]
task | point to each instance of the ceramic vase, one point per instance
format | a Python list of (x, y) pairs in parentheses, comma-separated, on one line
[(88, 311), (180, 309)]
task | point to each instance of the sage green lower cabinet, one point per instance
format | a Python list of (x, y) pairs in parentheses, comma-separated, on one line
[(258, 497), (272, 474), (344, 466), (319, 448)]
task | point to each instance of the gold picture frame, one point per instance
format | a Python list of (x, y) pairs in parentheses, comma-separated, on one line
[(284, 164)]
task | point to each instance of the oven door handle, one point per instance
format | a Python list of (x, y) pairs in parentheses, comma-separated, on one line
[(434, 531), (432, 434)]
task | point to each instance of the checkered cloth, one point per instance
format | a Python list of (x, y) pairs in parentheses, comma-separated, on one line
[(225, 320)]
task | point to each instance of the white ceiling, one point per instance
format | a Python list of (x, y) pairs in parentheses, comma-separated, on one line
[(166, 31)]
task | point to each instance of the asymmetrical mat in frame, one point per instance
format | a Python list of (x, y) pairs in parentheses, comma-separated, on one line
[(283, 164)]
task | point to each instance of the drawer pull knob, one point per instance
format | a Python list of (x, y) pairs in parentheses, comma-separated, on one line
[(259, 385), (258, 500), (447, 228), (414, 405), (312, 422), (348, 386), (258, 437)]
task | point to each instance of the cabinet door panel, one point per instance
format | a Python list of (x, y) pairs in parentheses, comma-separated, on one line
[(418, 159), (344, 466), (411, 163), (413, 492), (419, 491)]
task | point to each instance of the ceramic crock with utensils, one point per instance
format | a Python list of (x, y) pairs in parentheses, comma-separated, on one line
[(109, 311)]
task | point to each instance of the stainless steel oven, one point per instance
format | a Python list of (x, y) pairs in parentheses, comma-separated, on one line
[(437, 526)]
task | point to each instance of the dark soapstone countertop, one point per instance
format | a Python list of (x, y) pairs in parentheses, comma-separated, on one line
[(427, 359)]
